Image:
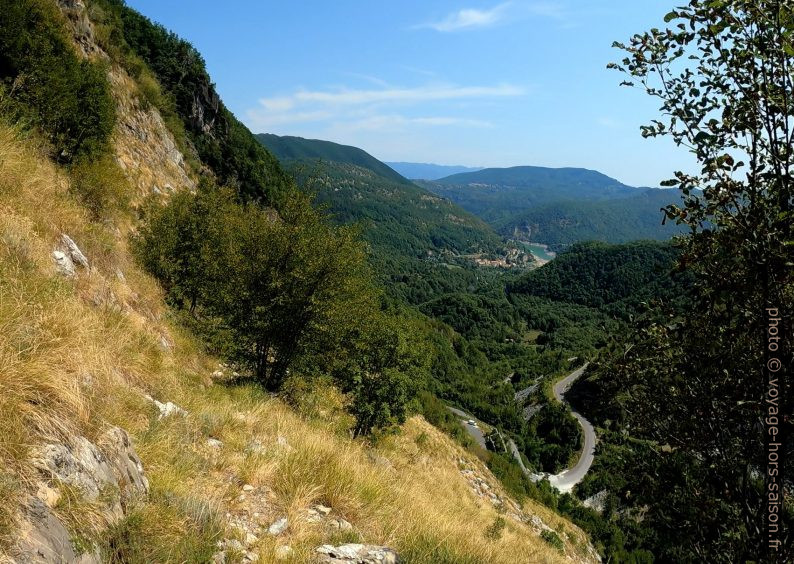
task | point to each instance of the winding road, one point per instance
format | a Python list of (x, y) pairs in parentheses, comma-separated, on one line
[(566, 480), (475, 432)]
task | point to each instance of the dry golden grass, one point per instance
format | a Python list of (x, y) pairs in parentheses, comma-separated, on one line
[(78, 355)]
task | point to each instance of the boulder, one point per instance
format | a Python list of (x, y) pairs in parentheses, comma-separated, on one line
[(358, 553), (63, 264), (278, 527), (166, 409), (74, 252), (43, 538), (108, 474)]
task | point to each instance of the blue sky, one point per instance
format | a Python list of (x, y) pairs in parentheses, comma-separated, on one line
[(521, 82)]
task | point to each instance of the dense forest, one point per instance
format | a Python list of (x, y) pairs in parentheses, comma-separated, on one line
[(288, 148)]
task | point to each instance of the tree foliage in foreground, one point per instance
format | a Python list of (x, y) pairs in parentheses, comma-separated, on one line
[(694, 385), (275, 291)]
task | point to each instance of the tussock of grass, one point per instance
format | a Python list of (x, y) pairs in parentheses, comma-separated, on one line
[(78, 355)]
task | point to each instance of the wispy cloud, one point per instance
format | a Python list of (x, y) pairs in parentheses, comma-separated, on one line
[(370, 108), (397, 122), (415, 94), (605, 121), (469, 18)]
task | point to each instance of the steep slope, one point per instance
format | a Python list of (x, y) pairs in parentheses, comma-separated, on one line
[(428, 171), (398, 218), (122, 441), (290, 148), (171, 75)]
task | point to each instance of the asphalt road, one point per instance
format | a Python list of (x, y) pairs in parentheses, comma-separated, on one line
[(565, 481), (475, 432)]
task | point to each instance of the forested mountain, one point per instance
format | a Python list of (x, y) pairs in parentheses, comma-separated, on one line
[(428, 171), (598, 274), (563, 223), (397, 217), (534, 184), (208, 336), (289, 148), (558, 207), (175, 276)]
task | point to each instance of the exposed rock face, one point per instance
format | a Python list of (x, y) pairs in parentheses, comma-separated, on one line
[(43, 538), (358, 553), (68, 257), (204, 109), (145, 148), (82, 28), (110, 476), (70, 247)]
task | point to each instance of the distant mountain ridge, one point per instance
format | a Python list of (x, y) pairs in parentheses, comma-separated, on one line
[(401, 220), (291, 148), (568, 180), (559, 206), (429, 171)]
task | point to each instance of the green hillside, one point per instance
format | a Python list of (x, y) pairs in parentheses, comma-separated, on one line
[(562, 223), (560, 206), (288, 148), (401, 221), (498, 193), (597, 274)]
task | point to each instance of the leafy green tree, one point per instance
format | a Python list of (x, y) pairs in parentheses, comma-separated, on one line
[(289, 280), (45, 84), (394, 364), (181, 243), (696, 384)]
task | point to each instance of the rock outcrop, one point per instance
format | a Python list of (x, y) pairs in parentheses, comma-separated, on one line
[(108, 475), (358, 553), (68, 257)]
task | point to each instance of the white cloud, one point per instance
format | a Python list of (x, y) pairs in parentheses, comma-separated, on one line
[(369, 108), (609, 122), (469, 18), (397, 122), (345, 97)]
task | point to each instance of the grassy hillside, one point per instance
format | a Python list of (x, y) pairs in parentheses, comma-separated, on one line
[(79, 355), (289, 148)]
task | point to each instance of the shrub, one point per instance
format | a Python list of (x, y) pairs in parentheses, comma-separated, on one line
[(552, 538), (100, 185)]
